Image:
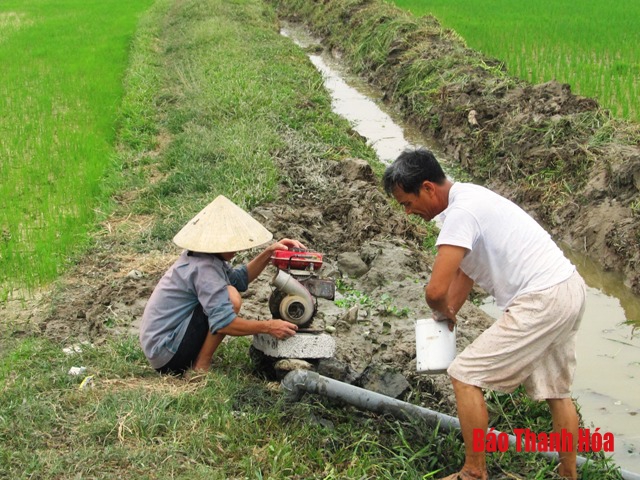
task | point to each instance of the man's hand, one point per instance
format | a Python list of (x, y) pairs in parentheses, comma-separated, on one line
[(449, 316), (281, 329)]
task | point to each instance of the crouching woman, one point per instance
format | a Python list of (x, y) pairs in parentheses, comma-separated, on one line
[(197, 301)]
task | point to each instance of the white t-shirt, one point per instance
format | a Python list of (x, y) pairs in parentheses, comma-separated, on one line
[(509, 252)]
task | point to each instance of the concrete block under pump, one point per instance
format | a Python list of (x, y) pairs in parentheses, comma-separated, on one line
[(301, 345)]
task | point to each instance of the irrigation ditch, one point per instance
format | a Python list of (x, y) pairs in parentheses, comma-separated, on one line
[(598, 216)]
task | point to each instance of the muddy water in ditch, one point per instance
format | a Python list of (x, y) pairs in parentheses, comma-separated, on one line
[(607, 383)]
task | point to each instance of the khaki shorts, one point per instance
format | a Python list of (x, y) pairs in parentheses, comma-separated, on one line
[(533, 343)]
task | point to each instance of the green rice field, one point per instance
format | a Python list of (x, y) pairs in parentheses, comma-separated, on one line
[(593, 46), (60, 90)]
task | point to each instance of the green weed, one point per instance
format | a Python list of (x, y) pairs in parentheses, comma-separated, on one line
[(352, 296), (387, 307), (383, 305), (130, 421), (230, 424)]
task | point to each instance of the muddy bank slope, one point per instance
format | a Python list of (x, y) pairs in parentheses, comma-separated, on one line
[(558, 155)]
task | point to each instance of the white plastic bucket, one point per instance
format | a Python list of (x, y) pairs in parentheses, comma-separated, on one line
[(435, 346)]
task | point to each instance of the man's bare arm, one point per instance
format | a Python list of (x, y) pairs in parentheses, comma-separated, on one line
[(448, 286)]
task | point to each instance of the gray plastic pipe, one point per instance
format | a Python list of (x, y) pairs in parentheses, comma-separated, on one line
[(297, 382)]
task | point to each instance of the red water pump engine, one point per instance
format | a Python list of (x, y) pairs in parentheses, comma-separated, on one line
[(297, 286)]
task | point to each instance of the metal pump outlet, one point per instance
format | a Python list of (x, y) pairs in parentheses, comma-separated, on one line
[(297, 305), (297, 286)]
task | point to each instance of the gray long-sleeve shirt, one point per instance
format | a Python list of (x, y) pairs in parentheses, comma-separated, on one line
[(195, 278)]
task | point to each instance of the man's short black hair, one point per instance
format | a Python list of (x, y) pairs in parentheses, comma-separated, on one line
[(411, 169)]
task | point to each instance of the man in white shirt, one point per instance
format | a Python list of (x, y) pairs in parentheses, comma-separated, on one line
[(488, 240)]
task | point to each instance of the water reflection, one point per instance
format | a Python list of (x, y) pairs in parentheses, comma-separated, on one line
[(360, 106), (607, 377), (610, 283), (382, 133)]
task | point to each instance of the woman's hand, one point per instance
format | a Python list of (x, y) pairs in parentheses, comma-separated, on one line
[(259, 263), (285, 244), (281, 329)]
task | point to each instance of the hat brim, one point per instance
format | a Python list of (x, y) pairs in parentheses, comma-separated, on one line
[(220, 227)]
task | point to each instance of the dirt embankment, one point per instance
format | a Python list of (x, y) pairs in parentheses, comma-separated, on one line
[(558, 155)]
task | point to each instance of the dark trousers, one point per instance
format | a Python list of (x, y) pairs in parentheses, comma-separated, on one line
[(191, 344)]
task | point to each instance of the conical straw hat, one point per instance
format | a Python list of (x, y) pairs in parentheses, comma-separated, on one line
[(220, 227)]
